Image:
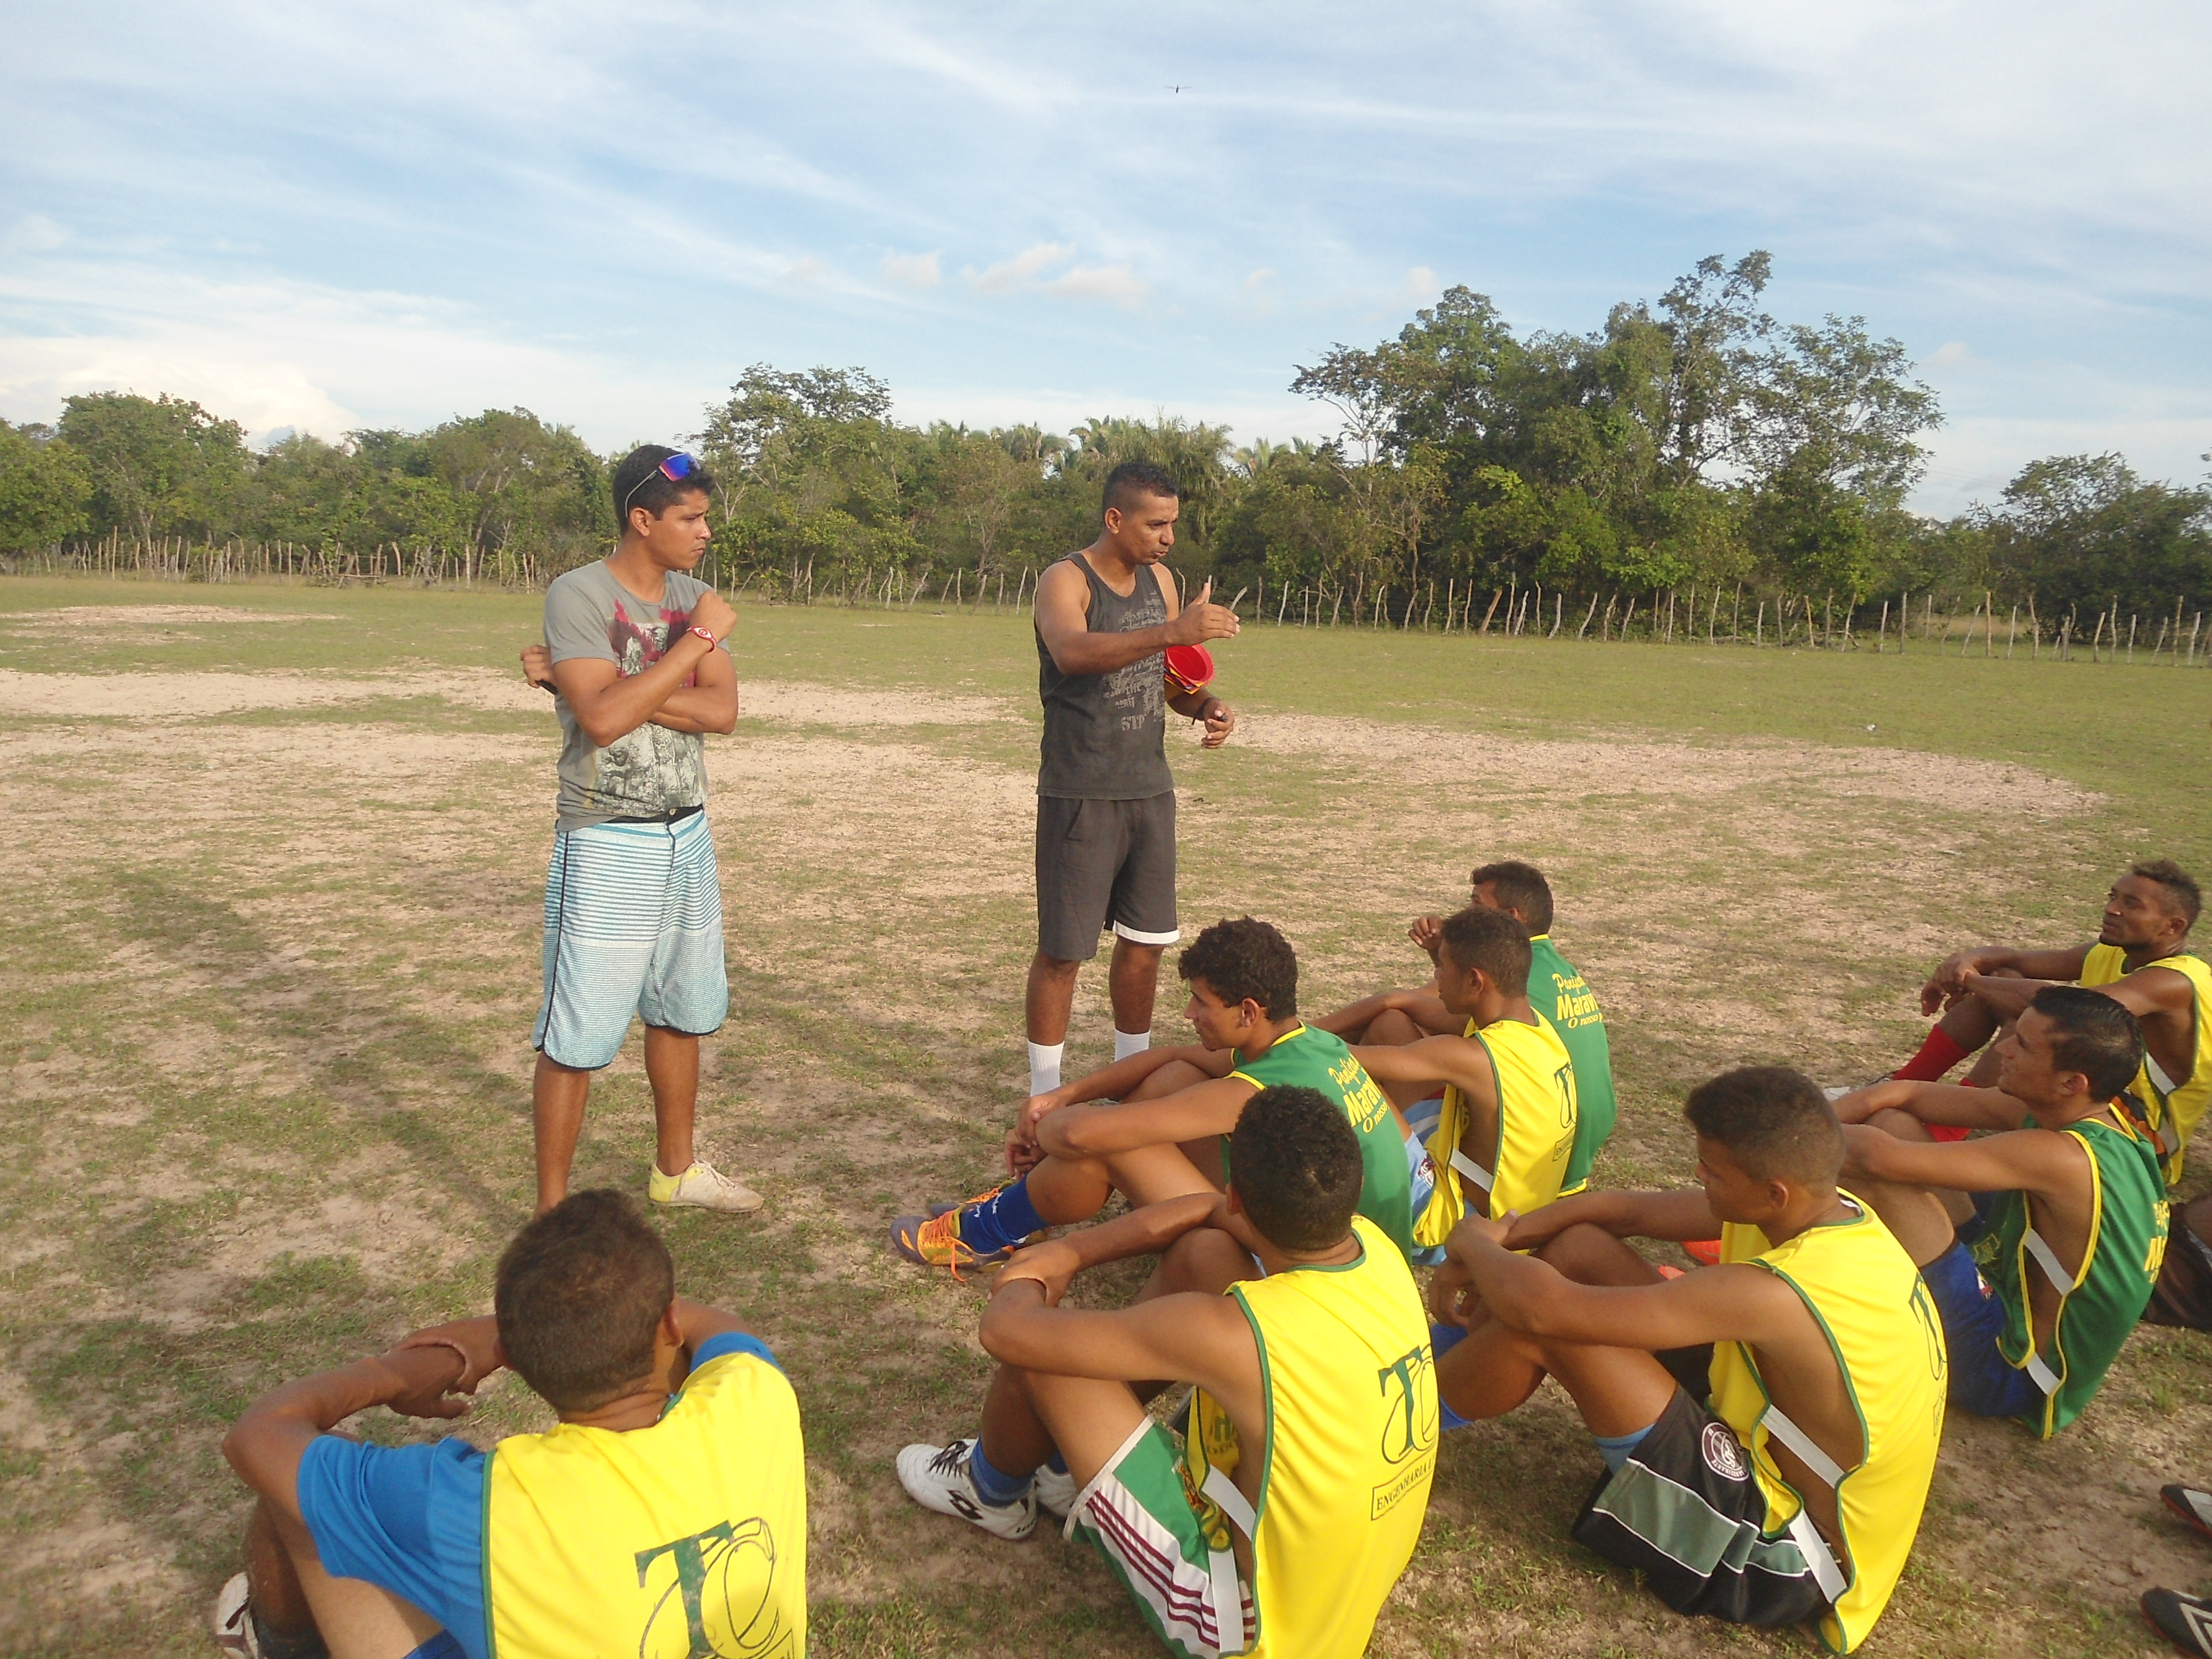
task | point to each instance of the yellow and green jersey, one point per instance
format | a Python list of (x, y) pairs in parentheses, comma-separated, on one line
[(1350, 1453), (1558, 991), (686, 1538), (1882, 1327), (2172, 1106), (1536, 1115), (2100, 1306), (1305, 1057)]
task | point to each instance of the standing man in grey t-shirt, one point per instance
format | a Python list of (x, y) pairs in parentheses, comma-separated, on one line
[(635, 656), (1105, 827)]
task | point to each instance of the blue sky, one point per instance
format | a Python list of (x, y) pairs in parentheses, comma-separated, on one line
[(379, 214)]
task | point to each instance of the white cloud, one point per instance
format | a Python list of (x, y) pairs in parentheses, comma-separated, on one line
[(1113, 285), (1010, 274), (316, 358), (1953, 354), (911, 269), (807, 271)]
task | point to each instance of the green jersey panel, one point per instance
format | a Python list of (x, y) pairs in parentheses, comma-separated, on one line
[(1307, 1059), (1556, 991), (2127, 1244)]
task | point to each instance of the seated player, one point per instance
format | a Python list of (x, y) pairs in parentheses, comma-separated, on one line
[(2139, 959), (1295, 1499), (1160, 1128), (2062, 1264), (666, 1513), (1795, 1492), (1507, 1125), (1555, 986)]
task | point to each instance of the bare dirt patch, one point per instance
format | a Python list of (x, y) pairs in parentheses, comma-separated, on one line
[(1649, 769), (82, 618)]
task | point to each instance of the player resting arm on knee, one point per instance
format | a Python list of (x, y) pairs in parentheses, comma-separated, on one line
[(444, 1551)]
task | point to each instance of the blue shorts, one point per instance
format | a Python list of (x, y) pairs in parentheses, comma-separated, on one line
[(1421, 1177), (633, 926), (1974, 1319)]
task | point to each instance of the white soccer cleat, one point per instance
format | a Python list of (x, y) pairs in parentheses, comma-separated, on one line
[(703, 1187), (937, 1478), (233, 1622), (1055, 1491)]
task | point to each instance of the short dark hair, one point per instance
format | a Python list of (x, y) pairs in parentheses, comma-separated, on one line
[(1519, 887), (2182, 897), (1245, 959), (1133, 478), (1295, 1163), (1478, 936), (1775, 1122), (580, 1292), (2092, 1034), (638, 482)]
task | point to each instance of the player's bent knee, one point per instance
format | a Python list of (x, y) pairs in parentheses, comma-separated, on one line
[(1207, 1261), (1582, 1250), (1171, 1078), (1899, 1124)]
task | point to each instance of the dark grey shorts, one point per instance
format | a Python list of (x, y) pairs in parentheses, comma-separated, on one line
[(1103, 863)]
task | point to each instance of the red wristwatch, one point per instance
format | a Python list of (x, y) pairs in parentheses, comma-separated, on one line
[(703, 633)]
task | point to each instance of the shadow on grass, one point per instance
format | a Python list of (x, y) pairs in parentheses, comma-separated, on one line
[(356, 1071)]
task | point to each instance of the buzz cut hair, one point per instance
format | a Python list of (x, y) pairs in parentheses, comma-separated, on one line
[(579, 1293), (1519, 887), (2182, 897), (1491, 941), (1127, 482), (1774, 1121)]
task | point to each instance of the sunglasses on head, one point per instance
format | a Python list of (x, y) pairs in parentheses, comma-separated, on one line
[(676, 469)]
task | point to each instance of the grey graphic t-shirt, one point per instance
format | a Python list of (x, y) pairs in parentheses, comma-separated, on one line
[(652, 770)]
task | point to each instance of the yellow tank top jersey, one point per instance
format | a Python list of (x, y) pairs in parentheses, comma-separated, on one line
[(1881, 1322), (1536, 1113), (2172, 1106), (1351, 1447), (687, 1538)]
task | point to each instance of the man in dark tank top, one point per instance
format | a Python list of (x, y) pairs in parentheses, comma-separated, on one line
[(1105, 834)]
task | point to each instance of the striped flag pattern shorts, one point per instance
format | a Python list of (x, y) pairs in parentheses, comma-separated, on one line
[(633, 926)]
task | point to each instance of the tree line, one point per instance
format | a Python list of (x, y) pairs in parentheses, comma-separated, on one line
[(1694, 444)]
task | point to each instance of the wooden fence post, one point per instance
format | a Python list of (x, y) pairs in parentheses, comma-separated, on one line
[(1587, 614), (1492, 611)]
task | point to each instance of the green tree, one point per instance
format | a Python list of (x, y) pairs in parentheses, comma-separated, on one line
[(45, 489), (159, 466), (2087, 532), (524, 482)]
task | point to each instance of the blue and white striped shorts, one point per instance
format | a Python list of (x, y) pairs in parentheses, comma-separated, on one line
[(633, 926)]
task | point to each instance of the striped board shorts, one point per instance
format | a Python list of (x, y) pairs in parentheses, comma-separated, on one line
[(633, 926), (1173, 1556)]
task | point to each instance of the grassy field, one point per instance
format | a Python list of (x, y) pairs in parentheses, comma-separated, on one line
[(271, 917)]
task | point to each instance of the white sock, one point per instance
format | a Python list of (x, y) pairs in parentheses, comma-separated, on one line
[(1126, 1043), (1044, 1067)]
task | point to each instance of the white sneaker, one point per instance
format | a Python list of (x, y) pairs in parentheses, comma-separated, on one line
[(937, 1478), (234, 1624), (703, 1186), (1055, 1491)]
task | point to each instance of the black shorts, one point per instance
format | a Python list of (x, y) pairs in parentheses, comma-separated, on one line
[(1686, 1511), (1103, 863)]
